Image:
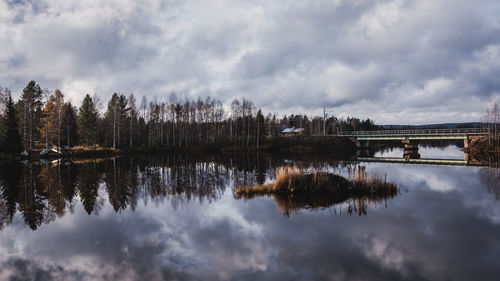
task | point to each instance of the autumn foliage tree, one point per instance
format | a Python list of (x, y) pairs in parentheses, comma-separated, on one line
[(53, 116)]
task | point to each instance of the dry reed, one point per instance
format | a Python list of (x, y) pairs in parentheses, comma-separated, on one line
[(290, 180)]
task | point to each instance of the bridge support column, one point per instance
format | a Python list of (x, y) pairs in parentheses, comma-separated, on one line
[(411, 149), (470, 140), (363, 144)]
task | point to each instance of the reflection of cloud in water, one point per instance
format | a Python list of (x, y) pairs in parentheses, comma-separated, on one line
[(432, 177), (147, 244), (448, 152), (432, 181), (424, 235)]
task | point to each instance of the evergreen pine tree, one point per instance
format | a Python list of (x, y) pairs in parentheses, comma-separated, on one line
[(10, 140), (30, 111), (87, 121), (69, 127)]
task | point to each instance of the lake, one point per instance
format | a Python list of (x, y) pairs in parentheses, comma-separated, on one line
[(175, 217)]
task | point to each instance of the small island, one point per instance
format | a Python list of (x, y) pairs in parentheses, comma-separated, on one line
[(296, 188)]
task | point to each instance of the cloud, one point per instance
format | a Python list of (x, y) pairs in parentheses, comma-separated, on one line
[(395, 61)]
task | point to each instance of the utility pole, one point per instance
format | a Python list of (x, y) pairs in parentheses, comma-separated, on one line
[(324, 120)]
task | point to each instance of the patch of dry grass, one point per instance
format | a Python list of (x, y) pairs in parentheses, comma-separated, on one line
[(91, 148), (291, 179)]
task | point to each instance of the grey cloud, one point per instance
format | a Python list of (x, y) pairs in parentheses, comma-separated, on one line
[(344, 54)]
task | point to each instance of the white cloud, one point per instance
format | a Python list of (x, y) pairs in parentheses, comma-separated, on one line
[(421, 58)]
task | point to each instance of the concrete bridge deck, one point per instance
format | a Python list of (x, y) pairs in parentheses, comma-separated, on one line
[(422, 134), (411, 137)]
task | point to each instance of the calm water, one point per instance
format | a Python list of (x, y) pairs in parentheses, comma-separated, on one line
[(176, 218)]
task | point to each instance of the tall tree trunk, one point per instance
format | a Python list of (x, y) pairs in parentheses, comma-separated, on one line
[(47, 132), (24, 127), (59, 124), (67, 133), (243, 131), (173, 132), (118, 132), (130, 133), (31, 131), (236, 133), (114, 128), (258, 132), (248, 131)]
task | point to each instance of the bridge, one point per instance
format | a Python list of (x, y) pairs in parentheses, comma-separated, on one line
[(466, 134), (410, 138)]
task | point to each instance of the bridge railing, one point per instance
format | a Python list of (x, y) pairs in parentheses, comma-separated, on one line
[(419, 132)]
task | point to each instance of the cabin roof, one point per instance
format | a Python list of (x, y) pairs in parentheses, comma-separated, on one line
[(292, 130)]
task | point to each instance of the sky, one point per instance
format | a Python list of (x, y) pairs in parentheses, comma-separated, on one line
[(394, 61)]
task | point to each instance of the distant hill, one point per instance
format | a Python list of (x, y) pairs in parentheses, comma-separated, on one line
[(442, 125)]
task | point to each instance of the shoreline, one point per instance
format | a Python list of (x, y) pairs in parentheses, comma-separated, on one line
[(338, 146)]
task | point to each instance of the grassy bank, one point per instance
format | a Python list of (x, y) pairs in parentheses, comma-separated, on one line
[(483, 150), (97, 152), (335, 146)]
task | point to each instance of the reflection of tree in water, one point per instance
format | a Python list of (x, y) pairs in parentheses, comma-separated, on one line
[(59, 184), (41, 192), (182, 178), (117, 184), (288, 205), (490, 176), (32, 197), (9, 190), (88, 185)]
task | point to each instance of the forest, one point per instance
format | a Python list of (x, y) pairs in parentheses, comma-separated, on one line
[(42, 119)]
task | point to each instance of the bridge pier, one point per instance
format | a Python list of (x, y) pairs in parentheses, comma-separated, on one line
[(411, 149), (468, 140)]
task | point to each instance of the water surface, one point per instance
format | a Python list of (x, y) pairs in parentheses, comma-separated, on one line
[(175, 217)]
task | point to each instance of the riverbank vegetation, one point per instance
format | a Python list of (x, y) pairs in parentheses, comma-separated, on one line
[(291, 180), (45, 119), (484, 148)]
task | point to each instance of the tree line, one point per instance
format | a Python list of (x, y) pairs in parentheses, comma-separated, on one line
[(43, 119), (492, 119)]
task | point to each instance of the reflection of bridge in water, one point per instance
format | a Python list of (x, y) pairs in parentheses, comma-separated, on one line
[(429, 161), (410, 138)]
